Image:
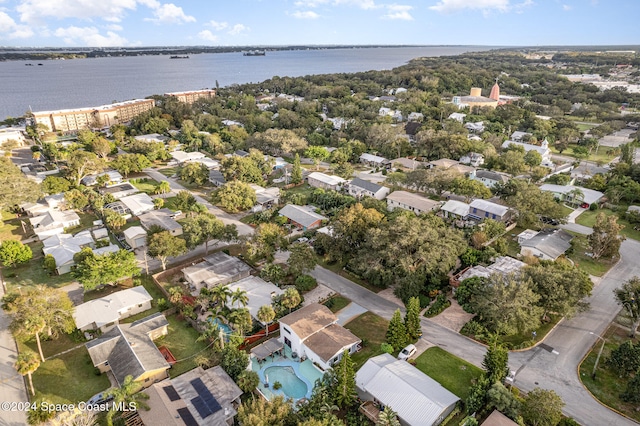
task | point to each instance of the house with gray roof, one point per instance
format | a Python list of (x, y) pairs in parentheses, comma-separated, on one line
[(489, 178), (187, 399), (363, 188), (573, 195), (548, 244), (411, 202), (216, 177), (454, 209), (105, 312), (128, 350), (163, 218), (302, 216), (418, 399), (215, 269), (375, 160), (483, 209)]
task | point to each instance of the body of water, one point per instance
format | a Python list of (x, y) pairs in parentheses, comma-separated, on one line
[(81, 83)]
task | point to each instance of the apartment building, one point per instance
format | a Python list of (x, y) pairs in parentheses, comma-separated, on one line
[(193, 95)]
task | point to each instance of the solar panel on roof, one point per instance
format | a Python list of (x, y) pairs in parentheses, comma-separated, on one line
[(171, 393), (187, 418), (201, 407), (203, 392)]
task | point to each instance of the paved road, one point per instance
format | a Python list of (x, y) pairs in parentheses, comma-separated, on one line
[(574, 227), (243, 229), (535, 367), (12, 385)]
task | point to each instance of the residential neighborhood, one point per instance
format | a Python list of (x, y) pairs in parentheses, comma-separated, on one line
[(271, 250)]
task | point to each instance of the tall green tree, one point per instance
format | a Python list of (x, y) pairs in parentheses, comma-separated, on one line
[(128, 395), (296, 171), (206, 228), (81, 164), (234, 361), (163, 188), (260, 412), (628, 296), (503, 400), (163, 245), (625, 359), (130, 163), (265, 241), (235, 196), (15, 187), (241, 320), (248, 380), (26, 364), (632, 392), (388, 417), (317, 154), (412, 319), (273, 273), (605, 240), (109, 268), (508, 305), (239, 297), (55, 185), (291, 298), (496, 362), (302, 259), (194, 172), (40, 310), (542, 408), (14, 252), (396, 332), (345, 377)]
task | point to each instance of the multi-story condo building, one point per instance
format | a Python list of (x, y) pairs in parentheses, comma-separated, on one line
[(192, 96)]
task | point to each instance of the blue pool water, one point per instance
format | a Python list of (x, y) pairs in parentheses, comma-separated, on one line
[(292, 385), (225, 328)]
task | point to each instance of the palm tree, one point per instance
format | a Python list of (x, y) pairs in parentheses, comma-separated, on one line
[(127, 393), (241, 320), (388, 417), (219, 295), (27, 363), (266, 314), (291, 298), (248, 381), (163, 188), (240, 296)]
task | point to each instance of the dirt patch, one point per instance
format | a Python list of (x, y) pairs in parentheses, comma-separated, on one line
[(453, 318), (387, 293)]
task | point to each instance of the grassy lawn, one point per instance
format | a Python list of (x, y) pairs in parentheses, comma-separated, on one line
[(169, 171), (53, 346), (11, 229), (32, 273), (600, 156), (591, 266), (170, 203), (607, 385), (518, 339), (69, 378), (147, 186), (337, 268), (182, 343), (453, 373), (304, 189), (588, 218), (86, 222), (336, 303), (372, 329)]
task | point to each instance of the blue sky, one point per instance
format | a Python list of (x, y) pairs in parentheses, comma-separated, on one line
[(107, 23)]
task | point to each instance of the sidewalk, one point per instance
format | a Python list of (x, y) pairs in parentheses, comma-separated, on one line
[(574, 215)]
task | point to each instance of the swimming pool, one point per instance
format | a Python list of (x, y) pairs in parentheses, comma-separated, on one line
[(225, 328), (292, 385)]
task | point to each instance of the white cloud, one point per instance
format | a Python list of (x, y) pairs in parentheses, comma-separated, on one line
[(238, 29), (207, 35), (9, 28), (34, 11), (89, 36), (218, 26), (399, 11), (307, 14), (566, 7), (114, 27), (362, 4), (456, 5), (169, 13)]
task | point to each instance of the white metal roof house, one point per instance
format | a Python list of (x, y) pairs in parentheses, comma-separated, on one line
[(114, 177), (321, 180), (542, 149), (411, 202), (548, 244), (104, 313), (574, 195), (163, 218), (302, 216), (53, 222), (215, 269), (503, 265), (454, 209), (259, 292), (138, 203), (374, 160), (473, 159), (64, 246), (186, 157), (313, 332), (483, 209), (489, 178), (417, 398), (363, 188)]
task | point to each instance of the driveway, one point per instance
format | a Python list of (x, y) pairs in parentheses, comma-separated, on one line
[(226, 218), (349, 312), (12, 385)]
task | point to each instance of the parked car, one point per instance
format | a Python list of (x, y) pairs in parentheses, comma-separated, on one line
[(550, 221), (407, 352), (302, 240), (584, 205), (100, 398)]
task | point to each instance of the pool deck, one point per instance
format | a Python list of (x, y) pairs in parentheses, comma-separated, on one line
[(305, 370)]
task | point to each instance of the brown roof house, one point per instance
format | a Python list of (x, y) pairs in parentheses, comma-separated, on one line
[(313, 332), (128, 350), (199, 397)]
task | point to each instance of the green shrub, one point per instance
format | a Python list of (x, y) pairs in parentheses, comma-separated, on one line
[(305, 283), (441, 303), (163, 304), (387, 348), (424, 300), (473, 328), (593, 207), (277, 385)]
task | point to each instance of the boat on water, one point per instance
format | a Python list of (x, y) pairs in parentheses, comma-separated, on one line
[(179, 57), (255, 53)]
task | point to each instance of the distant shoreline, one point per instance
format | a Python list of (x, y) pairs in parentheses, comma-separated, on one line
[(52, 53)]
